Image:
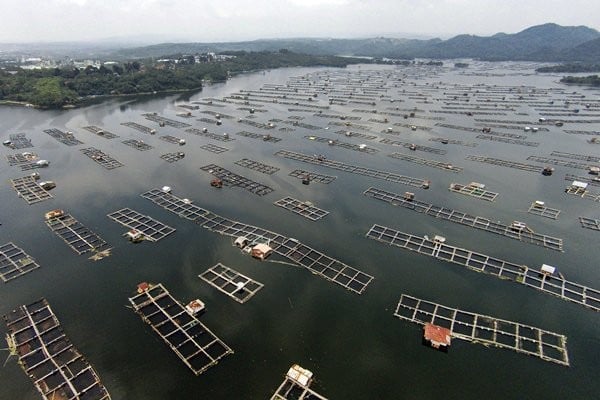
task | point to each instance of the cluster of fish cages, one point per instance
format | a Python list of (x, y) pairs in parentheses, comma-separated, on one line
[(100, 132), (355, 134), (556, 161), (139, 127), (303, 208), (552, 284), (422, 161), (76, 235), (310, 176), (29, 190), (516, 230), (101, 158), (204, 132), (486, 330), (162, 121), (213, 148), (263, 137), (173, 157), (257, 166), (473, 189), (19, 141), (508, 140), (67, 138), (354, 169), (14, 262), (172, 139), (150, 228), (57, 369), (137, 144), (231, 282), (229, 178), (453, 141), (316, 262), (412, 146), (196, 345)]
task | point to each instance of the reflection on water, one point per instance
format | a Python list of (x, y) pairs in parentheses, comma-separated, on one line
[(355, 346)]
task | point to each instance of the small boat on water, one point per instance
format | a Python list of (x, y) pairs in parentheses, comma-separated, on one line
[(54, 214), (47, 185)]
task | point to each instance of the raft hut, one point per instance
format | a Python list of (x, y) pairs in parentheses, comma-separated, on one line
[(483, 329), (56, 368), (196, 345), (231, 282), (296, 385)]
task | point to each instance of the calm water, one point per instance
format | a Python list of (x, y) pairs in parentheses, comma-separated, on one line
[(354, 345)]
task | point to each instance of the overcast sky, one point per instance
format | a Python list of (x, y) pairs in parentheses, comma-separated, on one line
[(233, 20)]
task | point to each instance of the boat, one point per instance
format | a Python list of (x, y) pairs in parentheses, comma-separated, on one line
[(217, 183), (47, 185), (194, 307), (53, 214)]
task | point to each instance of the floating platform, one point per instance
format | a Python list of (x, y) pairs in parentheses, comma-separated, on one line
[(303, 208), (28, 189), (316, 262), (173, 157), (473, 189), (100, 132), (507, 140), (172, 139), (76, 235), (162, 121), (213, 148), (539, 208), (152, 229), (486, 330), (350, 146), (556, 161), (296, 385), (101, 158), (137, 144), (422, 161), (263, 137), (14, 262), (234, 284), (66, 138), (312, 176), (517, 231), (257, 166), (20, 159), (355, 134), (354, 169), (189, 338), (533, 278), (231, 179), (210, 135), (412, 146), (505, 163), (584, 179), (139, 127), (57, 369), (19, 141), (590, 223)]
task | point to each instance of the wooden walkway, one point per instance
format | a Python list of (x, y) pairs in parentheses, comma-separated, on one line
[(152, 229), (101, 158), (303, 208), (478, 262), (28, 189), (316, 262), (486, 330), (57, 369), (76, 235), (14, 262), (523, 234), (473, 189), (234, 284), (189, 338), (232, 179), (353, 169)]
